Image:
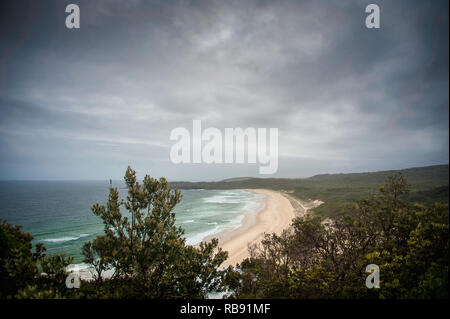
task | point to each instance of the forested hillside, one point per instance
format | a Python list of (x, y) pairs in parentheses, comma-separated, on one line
[(427, 185)]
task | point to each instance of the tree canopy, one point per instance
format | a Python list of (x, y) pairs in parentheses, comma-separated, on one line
[(143, 254), (327, 258)]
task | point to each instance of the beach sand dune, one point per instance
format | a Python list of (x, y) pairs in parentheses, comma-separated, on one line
[(273, 218)]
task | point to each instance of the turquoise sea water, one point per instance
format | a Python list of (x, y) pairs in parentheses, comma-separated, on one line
[(57, 213)]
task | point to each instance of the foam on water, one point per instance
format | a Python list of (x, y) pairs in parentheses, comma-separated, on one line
[(64, 239), (221, 199), (223, 209), (197, 238), (59, 213)]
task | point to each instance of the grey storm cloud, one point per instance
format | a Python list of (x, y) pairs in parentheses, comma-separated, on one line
[(86, 103)]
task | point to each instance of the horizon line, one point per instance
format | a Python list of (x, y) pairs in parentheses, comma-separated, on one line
[(221, 180)]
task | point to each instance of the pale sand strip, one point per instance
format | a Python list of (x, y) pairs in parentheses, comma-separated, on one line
[(301, 207), (273, 218)]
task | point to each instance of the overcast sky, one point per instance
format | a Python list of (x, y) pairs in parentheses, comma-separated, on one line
[(86, 103)]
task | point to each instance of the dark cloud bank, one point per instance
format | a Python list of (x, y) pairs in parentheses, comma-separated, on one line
[(84, 104)]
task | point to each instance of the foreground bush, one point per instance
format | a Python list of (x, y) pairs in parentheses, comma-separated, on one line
[(146, 251), (317, 259), (27, 274)]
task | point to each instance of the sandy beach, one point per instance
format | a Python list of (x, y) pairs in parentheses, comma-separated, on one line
[(276, 216), (273, 218)]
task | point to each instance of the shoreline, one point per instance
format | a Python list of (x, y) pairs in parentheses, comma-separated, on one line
[(274, 217)]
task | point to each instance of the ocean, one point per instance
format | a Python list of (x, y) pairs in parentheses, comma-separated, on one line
[(58, 213)]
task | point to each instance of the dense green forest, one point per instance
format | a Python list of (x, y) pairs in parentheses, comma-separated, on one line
[(314, 258), (409, 242), (340, 191)]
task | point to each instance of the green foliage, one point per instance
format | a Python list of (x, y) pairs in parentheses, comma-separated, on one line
[(34, 292), (145, 250), (147, 256), (318, 259), (340, 191), (27, 274)]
